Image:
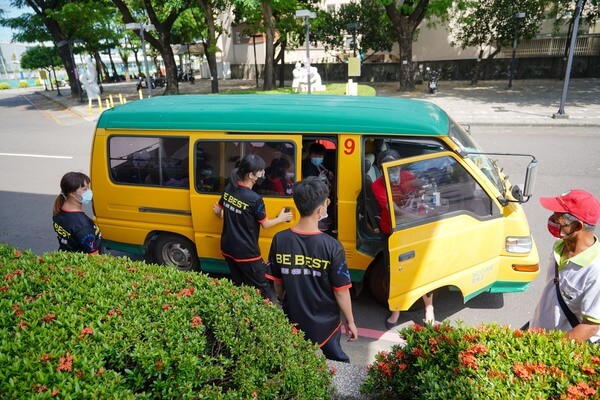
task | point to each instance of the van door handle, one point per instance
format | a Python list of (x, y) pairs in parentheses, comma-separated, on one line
[(406, 256)]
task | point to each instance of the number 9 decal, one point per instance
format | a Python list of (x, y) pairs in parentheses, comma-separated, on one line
[(349, 146)]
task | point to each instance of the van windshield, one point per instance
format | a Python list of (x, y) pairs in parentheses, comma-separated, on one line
[(488, 166)]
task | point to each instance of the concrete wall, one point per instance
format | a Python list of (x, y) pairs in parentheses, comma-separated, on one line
[(525, 68)]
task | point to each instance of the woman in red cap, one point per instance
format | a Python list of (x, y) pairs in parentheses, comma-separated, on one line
[(570, 300)]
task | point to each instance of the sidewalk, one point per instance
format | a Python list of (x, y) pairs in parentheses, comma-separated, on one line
[(530, 102)]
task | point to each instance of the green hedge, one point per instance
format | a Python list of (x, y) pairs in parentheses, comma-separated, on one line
[(485, 362), (89, 327), (4, 85), (23, 84)]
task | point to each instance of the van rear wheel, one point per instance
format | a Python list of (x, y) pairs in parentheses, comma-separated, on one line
[(379, 283), (176, 251)]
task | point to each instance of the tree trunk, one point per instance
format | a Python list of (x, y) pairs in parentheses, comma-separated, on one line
[(116, 77), (405, 26), (137, 62), (269, 75), (481, 64), (210, 47), (280, 60)]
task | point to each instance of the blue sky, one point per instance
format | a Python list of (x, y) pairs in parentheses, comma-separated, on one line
[(6, 33)]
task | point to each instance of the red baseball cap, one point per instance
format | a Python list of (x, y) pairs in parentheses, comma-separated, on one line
[(579, 203)]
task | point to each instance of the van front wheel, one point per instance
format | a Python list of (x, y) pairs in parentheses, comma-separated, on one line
[(379, 282), (177, 251)]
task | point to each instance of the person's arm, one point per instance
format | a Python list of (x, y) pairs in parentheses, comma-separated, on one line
[(279, 290), (284, 216), (342, 297), (582, 332)]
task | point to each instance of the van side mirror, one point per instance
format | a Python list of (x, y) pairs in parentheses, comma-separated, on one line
[(522, 193)]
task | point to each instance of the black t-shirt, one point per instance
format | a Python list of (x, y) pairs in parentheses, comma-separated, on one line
[(243, 212), (311, 267), (77, 232)]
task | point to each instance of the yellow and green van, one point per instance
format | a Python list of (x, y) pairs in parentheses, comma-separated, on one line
[(159, 164)]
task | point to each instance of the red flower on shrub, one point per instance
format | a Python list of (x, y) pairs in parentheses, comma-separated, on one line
[(196, 321), (399, 354), (468, 360), (418, 352), (492, 373), (87, 331), (595, 360), (580, 391), (114, 311), (555, 371), (65, 363), (587, 369), (267, 301), (45, 358), (518, 333), (22, 324), (38, 388), (521, 371), (17, 254), (159, 365), (166, 307), (48, 318), (131, 269), (333, 370), (55, 393), (254, 395), (3, 288), (384, 368), (417, 328), (294, 330), (186, 292)]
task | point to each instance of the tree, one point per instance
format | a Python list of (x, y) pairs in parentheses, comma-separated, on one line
[(162, 14), (39, 27), (371, 26), (490, 25), (41, 57)]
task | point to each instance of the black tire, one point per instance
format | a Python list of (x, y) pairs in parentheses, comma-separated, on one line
[(379, 283), (176, 251)]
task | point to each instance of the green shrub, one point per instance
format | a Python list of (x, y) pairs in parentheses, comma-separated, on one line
[(23, 84), (38, 82), (486, 362), (4, 85), (88, 327)]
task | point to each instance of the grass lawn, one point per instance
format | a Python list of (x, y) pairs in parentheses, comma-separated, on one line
[(335, 89)]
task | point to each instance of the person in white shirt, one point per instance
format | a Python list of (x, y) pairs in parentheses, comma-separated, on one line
[(576, 261)]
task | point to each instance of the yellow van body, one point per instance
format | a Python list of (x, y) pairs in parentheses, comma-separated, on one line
[(158, 166)]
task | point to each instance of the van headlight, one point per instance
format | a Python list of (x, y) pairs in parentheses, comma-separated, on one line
[(519, 244)]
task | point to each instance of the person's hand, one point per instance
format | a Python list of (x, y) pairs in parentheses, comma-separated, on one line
[(218, 210), (285, 216), (351, 331)]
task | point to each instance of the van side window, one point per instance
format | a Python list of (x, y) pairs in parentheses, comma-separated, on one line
[(152, 161), (438, 186), (215, 160)]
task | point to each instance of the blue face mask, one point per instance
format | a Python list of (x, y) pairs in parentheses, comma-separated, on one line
[(86, 196), (316, 161)]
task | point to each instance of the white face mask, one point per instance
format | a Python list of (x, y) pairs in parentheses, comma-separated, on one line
[(395, 177), (86, 197), (289, 175)]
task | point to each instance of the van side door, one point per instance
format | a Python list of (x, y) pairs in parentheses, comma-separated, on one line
[(446, 230), (214, 156)]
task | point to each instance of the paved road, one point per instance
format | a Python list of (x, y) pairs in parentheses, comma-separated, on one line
[(39, 141)]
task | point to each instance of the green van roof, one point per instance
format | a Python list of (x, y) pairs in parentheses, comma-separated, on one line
[(279, 113)]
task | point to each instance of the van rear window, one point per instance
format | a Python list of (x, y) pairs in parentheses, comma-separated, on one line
[(150, 161)]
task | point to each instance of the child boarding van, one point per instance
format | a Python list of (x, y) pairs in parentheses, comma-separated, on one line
[(160, 164)]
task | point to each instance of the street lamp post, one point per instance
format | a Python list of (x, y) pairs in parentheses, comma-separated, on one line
[(75, 71), (561, 110), (518, 17), (254, 36), (143, 28), (307, 15)]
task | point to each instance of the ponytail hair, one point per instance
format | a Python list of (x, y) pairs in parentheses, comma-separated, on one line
[(251, 163), (69, 183)]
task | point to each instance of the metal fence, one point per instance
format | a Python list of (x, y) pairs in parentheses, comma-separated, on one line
[(586, 45)]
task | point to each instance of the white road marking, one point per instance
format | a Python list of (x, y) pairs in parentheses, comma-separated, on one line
[(35, 156)]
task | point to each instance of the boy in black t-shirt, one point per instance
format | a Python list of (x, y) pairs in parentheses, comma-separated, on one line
[(310, 273)]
